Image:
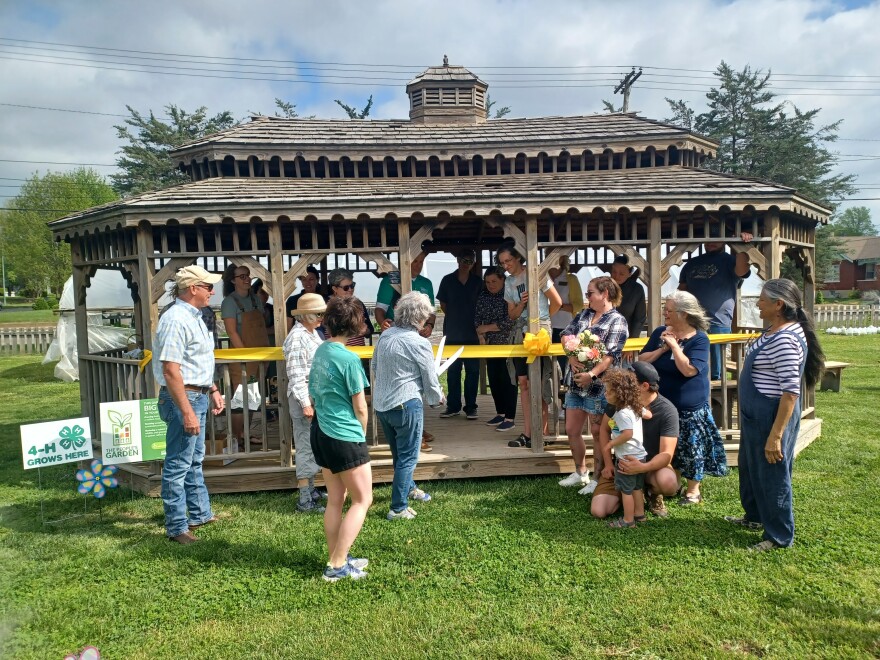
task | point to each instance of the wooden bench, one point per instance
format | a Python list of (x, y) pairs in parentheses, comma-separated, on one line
[(831, 375)]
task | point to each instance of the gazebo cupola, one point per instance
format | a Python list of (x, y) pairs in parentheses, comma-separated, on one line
[(448, 94)]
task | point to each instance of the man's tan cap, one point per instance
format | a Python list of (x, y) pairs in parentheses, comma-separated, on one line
[(187, 277)]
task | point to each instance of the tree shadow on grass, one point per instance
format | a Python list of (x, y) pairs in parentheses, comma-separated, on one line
[(33, 373), (141, 534), (560, 514), (857, 626)]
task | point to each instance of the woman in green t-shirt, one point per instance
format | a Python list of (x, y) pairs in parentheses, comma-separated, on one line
[(339, 427)]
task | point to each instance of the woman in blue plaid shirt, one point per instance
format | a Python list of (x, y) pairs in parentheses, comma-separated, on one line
[(586, 394)]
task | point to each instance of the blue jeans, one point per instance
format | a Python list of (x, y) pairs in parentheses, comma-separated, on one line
[(471, 384), (183, 484), (402, 427), (717, 352)]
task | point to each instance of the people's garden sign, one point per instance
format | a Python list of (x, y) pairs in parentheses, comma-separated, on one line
[(131, 431)]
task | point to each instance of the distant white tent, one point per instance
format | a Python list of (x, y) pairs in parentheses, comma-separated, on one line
[(108, 291)]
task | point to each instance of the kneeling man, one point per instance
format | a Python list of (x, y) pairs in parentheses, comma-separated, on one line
[(660, 439)]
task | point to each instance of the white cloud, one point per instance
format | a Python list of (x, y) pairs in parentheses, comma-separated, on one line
[(792, 36)]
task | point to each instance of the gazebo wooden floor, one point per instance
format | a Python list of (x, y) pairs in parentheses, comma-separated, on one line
[(462, 449)]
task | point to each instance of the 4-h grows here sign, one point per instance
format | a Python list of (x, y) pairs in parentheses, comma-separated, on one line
[(131, 432), (54, 443)]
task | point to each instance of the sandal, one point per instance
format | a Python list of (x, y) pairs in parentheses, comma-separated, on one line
[(690, 500), (744, 522), (640, 519), (620, 523), (521, 441)]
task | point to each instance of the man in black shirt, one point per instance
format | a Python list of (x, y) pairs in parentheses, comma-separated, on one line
[(660, 437), (457, 296)]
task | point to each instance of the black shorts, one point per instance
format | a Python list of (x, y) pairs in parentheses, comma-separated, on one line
[(337, 455)]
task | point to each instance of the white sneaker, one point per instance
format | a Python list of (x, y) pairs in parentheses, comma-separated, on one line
[(589, 488), (406, 514), (575, 479)]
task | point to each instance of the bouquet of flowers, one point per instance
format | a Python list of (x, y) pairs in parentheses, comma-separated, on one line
[(584, 347)]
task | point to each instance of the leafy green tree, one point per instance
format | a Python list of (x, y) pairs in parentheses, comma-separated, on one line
[(38, 260), (144, 161), (353, 112), (854, 221), (499, 113)]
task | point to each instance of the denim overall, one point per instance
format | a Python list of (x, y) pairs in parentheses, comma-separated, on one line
[(765, 488)]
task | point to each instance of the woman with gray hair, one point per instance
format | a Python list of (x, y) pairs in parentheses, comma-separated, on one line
[(769, 398), (679, 352), (403, 367)]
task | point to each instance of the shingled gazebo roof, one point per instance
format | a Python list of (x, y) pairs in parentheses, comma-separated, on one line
[(213, 200), (401, 138)]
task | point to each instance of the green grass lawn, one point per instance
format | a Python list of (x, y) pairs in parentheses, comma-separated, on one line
[(490, 568), (28, 316)]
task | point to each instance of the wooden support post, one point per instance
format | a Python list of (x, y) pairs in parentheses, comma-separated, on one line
[(276, 274), (405, 256), (773, 249), (655, 269), (149, 311), (536, 431), (80, 282)]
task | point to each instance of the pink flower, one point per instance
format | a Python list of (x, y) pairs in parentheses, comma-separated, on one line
[(570, 343), (592, 353)]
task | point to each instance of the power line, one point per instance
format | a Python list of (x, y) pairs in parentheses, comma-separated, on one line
[(81, 112), (50, 162), (191, 56)]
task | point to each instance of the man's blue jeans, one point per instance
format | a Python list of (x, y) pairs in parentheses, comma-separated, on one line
[(717, 352), (183, 484), (402, 427), (471, 384)]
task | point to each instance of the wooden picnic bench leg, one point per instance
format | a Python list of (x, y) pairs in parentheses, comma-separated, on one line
[(831, 379)]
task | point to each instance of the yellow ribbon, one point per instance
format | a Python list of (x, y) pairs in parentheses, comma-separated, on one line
[(536, 344), (533, 345)]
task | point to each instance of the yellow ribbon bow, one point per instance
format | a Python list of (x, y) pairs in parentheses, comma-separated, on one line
[(536, 344)]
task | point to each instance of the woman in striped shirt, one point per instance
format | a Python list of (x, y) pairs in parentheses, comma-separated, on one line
[(769, 399)]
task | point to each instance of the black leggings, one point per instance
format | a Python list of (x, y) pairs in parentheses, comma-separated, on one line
[(504, 393)]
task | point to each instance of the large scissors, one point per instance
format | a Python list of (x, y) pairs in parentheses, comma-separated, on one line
[(439, 364)]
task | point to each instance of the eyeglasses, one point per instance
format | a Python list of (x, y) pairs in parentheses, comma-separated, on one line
[(468, 261), (347, 287), (591, 293), (320, 315), (243, 276), (206, 287)]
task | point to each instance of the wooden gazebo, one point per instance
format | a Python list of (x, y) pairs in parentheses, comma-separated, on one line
[(280, 194)]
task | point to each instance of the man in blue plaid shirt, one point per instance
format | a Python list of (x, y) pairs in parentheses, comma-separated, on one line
[(183, 365)]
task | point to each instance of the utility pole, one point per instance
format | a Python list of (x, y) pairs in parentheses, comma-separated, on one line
[(625, 84)]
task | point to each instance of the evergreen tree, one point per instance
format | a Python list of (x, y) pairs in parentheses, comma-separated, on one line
[(353, 112), (499, 113), (38, 260), (144, 158), (762, 138)]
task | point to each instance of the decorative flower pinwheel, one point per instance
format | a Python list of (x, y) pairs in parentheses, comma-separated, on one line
[(72, 438), (96, 479)]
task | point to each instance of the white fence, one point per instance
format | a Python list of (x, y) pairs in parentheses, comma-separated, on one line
[(19, 341), (846, 316)]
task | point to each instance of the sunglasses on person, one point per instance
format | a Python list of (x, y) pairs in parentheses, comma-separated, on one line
[(206, 287), (347, 287)]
